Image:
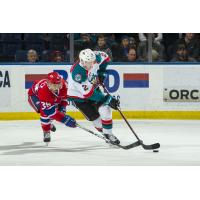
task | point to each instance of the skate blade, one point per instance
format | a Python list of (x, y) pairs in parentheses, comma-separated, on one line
[(113, 146), (46, 144)]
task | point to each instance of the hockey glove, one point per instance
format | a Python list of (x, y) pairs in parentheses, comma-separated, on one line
[(112, 102), (102, 77), (69, 121), (62, 109)]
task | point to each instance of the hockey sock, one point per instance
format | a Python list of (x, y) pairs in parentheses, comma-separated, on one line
[(107, 126), (46, 128)]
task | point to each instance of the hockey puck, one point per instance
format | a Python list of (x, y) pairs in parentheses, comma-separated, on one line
[(155, 151)]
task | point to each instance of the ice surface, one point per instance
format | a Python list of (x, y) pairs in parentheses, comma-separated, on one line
[(21, 144)]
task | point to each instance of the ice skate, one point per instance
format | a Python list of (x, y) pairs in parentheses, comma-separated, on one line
[(47, 138), (112, 138), (53, 128)]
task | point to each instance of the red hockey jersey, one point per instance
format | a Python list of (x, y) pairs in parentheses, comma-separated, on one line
[(49, 101)]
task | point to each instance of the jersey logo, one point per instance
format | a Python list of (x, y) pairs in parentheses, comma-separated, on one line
[(78, 77)]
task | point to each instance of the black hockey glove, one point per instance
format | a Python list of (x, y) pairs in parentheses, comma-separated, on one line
[(102, 77), (112, 102)]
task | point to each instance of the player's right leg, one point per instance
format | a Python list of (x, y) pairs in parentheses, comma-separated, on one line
[(89, 110), (46, 127), (107, 123), (35, 104)]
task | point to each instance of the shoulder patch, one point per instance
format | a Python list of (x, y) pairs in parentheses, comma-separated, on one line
[(78, 77), (79, 74)]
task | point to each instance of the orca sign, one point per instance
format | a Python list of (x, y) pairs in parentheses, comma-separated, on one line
[(181, 94)]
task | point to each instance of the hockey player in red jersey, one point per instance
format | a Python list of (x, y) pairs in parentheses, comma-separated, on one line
[(49, 98)]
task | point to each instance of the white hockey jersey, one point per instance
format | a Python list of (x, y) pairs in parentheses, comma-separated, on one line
[(82, 83)]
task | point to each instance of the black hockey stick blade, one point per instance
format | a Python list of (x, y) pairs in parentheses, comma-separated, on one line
[(151, 146), (130, 146)]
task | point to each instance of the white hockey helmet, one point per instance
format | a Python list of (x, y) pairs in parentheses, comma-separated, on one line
[(87, 58)]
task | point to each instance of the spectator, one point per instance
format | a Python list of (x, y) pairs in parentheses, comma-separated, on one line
[(169, 39), (32, 56), (93, 37), (84, 42), (181, 54), (122, 50), (57, 56), (102, 46), (132, 42), (131, 56), (142, 50), (110, 39), (191, 43)]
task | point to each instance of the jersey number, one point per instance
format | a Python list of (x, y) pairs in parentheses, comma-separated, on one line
[(85, 87), (45, 105)]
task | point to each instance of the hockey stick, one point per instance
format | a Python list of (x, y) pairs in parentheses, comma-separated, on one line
[(130, 146), (146, 147)]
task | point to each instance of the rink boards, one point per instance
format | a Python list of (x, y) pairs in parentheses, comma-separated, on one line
[(148, 91)]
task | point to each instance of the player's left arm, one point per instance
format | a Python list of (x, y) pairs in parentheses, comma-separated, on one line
[(52, 112), (105, 61)]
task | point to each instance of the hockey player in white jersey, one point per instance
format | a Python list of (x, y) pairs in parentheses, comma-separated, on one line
[(84, 92)]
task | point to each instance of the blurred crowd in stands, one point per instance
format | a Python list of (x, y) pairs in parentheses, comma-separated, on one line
[(121, 47), (34, 47)]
